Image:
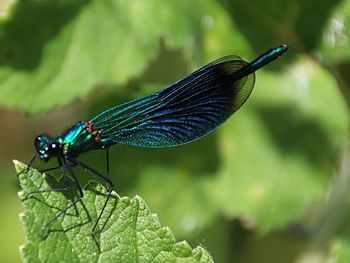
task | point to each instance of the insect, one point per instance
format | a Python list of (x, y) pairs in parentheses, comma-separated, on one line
[(182, 112)]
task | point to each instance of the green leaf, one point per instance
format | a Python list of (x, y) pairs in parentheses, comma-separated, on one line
[(334, 52), (131, 234), (292, 22), (340, 251), (87, 44), (334, 46)]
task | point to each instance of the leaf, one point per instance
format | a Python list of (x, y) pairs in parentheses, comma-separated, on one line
[(334, 46), (340, 251), (132, 233), (334, 51), (292, 22), (87, 44)]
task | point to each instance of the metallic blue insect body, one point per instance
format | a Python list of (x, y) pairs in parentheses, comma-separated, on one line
[(184, 111)]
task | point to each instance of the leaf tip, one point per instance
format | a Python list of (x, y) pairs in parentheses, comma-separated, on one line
[(16, 162), (18, 165)]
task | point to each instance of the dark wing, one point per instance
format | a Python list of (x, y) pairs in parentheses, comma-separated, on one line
[(180, 113)]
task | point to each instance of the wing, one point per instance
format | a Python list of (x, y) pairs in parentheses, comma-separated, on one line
[(180, 113)]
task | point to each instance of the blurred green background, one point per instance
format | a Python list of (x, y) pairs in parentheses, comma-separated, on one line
[(271, 185)]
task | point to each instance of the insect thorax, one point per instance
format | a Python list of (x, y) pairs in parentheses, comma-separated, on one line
[(79, 138)]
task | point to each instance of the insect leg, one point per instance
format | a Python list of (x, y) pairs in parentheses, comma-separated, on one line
[(54, 168), (66, 186), (28, 165), (107, 163), (69, 168), (107, 166), (109, 187)]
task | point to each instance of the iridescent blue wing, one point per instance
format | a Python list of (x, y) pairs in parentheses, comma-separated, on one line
[(180, 113)]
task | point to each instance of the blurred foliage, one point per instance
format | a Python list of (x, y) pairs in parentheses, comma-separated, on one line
[(294, 22), (270, 185)]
